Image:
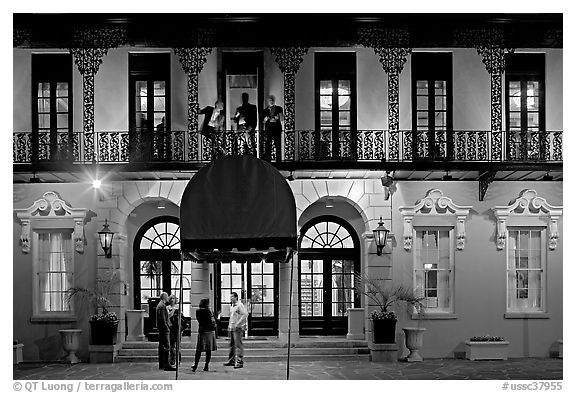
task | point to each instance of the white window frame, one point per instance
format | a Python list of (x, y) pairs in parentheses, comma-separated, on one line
[(418, 266), (531, 211), (38, 313), (50, 213), (436, 210), (543, 270)]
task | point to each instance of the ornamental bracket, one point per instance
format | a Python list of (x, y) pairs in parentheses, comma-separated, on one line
[(483, 183)]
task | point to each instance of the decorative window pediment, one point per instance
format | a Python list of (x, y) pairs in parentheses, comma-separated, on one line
[(528, 205), (435, 206), (53, 212)]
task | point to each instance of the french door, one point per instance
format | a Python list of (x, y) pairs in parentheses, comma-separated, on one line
[(326, 293), (329, 257), (256, 284)]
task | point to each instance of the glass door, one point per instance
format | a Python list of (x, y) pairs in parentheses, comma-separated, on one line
[(150, 120), (326, 293), (256, 284), (335, 139)]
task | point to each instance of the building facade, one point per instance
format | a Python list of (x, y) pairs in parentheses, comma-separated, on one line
[(452, 137)]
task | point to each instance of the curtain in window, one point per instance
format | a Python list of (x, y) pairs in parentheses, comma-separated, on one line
[(55, 265), (524, 271)]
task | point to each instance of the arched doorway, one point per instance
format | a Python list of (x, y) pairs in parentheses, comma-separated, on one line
[(328, 257), (156, 263)]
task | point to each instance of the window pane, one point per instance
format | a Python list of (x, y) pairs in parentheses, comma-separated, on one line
[(159, 121), (268, 267), (532, 103), (514, 88), (440, 88), (326, 117), (317, 266), (422, 87), (225, 281), (268, 310), (269, 281), (440, 103), (141, 89), (159, 88), (440, 119), (225, 267), (62, 89), (44, 121), (532, 119), (159, 104), (62, 121), (43, 89), (325, 102), (344, 87), (236, 281), (344, 118), (515, 119), (62, 104), (515, 103), (306, 267), (422, 118), (532, 88), (344, 102), (326, 87), (44, 105), (143, 104), (257, 280), (422, 103)]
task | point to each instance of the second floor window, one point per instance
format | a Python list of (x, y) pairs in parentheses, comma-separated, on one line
[(335, 75), (525, 108), (431, 105), (52, 105), (149, 106)]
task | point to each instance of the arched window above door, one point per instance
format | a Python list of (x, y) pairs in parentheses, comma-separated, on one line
[(161, 236), (327, 233)]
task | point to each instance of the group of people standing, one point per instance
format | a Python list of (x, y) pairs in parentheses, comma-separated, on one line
[(168, 318), (245, 120)]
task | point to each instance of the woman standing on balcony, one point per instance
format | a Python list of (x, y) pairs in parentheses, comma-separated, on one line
[(206, 335)]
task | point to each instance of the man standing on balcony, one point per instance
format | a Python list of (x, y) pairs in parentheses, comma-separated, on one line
[(213, 123), (273, 117), (246, 118)]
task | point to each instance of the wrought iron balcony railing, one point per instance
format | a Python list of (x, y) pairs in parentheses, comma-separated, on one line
[(298, 145)]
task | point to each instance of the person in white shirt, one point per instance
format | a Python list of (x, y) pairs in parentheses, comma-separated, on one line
[(236, 327)]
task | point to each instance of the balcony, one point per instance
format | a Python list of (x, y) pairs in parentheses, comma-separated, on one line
[(300, 149)]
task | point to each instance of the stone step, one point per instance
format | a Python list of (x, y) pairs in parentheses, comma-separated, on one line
[(257, 352), (222, 343), (217, 360)]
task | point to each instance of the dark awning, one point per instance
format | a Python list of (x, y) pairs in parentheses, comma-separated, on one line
[(238, 207)]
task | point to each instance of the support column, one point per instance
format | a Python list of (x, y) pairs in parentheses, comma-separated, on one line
[(284, 301), (289, 59), (192, 60), (199, 288), (491, 45), (392, 46), (89, 47)]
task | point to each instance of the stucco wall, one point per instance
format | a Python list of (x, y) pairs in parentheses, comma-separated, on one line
[(42, 340), (480, 273)]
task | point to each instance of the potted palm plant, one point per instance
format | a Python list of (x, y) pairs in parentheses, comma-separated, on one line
[(103, 323), (388, 298)]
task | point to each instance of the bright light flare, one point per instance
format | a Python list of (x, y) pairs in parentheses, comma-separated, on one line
[(96, 183)]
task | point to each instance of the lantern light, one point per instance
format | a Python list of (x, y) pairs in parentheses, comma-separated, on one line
[(106, 236), (380, 235)]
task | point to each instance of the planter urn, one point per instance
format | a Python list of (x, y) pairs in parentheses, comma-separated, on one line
[(103, 333), (414, 340), (71, 343)]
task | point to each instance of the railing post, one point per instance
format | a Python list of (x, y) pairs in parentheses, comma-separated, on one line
[(289, 59), (89, 46), (392, 46)]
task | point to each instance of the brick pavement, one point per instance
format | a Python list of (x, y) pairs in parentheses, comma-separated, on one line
[(430, 369)]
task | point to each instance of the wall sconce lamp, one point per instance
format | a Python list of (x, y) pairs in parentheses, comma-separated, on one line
[(106, 236), (380, 235)]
